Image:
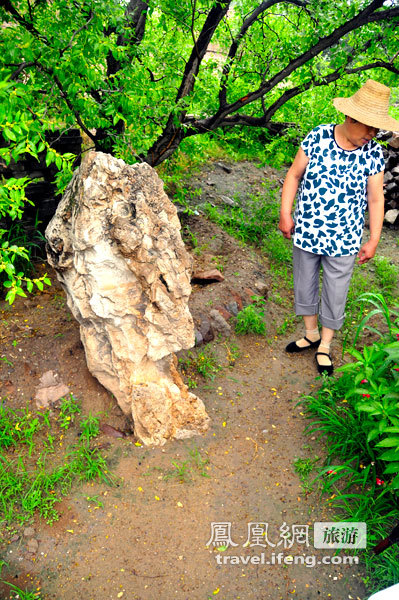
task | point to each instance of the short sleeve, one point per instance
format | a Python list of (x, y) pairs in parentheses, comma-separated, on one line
[(308, 143), (377, 160), (312, 140)]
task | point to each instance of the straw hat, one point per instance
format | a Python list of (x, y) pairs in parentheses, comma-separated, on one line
[(369, 105)]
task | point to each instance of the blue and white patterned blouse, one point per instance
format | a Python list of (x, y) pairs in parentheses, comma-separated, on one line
[(329, 215)]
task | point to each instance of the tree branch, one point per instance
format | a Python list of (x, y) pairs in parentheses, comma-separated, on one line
[(250, 20), (213, 19), (194, 126), (6, 4), (136, 16), (362, 18), (75, 33)]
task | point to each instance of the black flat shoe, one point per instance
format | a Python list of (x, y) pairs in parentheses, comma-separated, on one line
[(293, 346), (324, 368)]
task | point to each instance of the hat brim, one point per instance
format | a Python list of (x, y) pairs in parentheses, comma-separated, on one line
[(370, 118)]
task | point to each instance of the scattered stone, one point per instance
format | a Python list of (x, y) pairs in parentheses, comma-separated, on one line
[(111, 431), (216, 245), (225, 313), (394, 141), (237, 299), (249, 293), (33, 546), (388, 176), (29, 532), (206, 277), (391, 216), (115, 244), (232, 307), (261, 288), (198, 337), (224, 167), (219, 323), (50, 389), (206, 330), (227, 200)]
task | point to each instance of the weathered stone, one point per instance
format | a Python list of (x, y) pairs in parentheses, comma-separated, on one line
[(261, 287), (227, 200), (249, 293), (198, 338), (388, 176), (237, 298), (391, 215), (207, 276), (29, 532), (33, 546), (205, 329), (116, 246), (219, 323), (233, 308), (224, 312), (224, 167), (50, 390), (394, 141)]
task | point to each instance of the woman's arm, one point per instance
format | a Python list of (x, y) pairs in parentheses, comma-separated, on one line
[(375, 198), (290, 188)]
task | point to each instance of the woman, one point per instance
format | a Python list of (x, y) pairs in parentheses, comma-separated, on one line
[(339, 170)]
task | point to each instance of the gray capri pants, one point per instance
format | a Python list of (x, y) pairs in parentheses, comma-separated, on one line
[(337, 273)]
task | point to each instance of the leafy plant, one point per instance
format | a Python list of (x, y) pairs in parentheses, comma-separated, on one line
[(357, 415), (68, 409), (203, 362), (380, 308), (303, 467), (250, 319), (89, 427)]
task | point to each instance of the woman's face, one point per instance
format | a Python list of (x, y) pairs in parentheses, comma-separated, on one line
[(359, 133)]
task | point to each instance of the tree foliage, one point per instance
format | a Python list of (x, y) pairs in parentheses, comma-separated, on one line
[(138, 77)]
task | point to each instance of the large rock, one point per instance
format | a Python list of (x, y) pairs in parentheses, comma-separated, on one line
[(116, 246)]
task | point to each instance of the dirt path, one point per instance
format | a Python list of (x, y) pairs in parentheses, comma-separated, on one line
[(147, 538)]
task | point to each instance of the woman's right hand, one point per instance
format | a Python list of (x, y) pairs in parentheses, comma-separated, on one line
[(286, 225)]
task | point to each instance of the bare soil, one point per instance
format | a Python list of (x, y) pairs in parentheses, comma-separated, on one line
[(147, 538)]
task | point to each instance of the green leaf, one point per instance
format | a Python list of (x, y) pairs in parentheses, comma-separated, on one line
[(392, 442), (10, 134), (392, 468), (390, 455), (20, 292), (395, 482), (372, 435)]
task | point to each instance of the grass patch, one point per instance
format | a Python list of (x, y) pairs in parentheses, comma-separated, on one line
[(37, 468), (200, 362), (186, 470)]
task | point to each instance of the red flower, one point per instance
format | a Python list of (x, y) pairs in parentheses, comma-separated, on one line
[(366, 395), (397, 336), (379, 481), (396, 368), (331, 472), (364, 381)]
